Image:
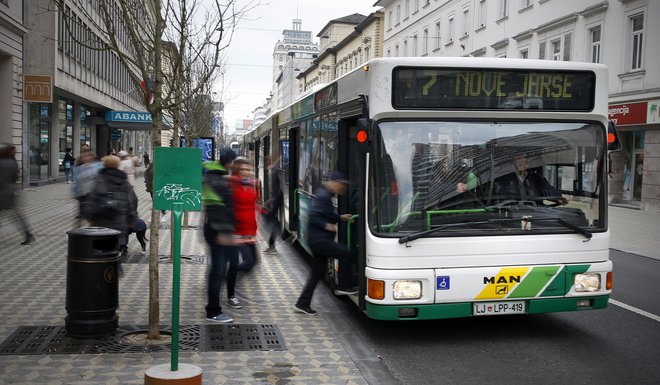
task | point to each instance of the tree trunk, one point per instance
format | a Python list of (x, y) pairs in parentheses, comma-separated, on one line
[(154, 296)]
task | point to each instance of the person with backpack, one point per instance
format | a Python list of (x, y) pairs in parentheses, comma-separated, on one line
[(111, 201)]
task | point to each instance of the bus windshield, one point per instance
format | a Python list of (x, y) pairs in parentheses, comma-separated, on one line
[(487, 178)]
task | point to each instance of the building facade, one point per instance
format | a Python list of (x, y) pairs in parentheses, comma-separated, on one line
[(12, 51), (617, 33), (346, 42), (294, 52), (68, 92)]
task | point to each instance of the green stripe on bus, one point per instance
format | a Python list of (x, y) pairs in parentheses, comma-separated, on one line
[(534, 281), (563, 281)]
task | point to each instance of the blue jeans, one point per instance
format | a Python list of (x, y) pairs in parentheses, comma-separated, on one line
[(69, 174), (249, 254), (220, 256)]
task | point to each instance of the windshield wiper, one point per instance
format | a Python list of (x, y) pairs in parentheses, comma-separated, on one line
[(420, 234), (408, 238), (586, 233)]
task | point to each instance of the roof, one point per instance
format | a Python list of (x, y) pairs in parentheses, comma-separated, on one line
[(354, 19)]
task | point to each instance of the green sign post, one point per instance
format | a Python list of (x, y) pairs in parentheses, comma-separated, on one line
[(178, 178), (177, 187)]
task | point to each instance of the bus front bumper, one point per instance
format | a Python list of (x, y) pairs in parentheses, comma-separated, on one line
[(466, 309)]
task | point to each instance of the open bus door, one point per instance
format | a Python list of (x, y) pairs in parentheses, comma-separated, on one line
[(352, 232), (290, 164)]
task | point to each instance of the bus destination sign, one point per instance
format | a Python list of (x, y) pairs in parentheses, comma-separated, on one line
[(491, 89)]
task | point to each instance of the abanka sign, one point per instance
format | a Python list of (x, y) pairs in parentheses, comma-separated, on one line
[(128, 117)]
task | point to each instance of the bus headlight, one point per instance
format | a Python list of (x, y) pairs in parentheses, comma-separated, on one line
[(407, 289), (587, 282)]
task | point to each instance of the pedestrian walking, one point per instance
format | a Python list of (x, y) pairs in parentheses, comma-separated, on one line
[(127, 165), (244, 197), (84, 176), (8, 194), (273, 205), (68, 163), (321, 231), (139, 227), (83, 149), (149, 183), (133, 157), (218, 229), (146, 160), (111, 201)]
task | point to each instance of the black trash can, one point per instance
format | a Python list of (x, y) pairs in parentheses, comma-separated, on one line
[(92, 290)]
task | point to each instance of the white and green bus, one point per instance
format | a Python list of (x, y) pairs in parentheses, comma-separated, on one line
[(445, 222)]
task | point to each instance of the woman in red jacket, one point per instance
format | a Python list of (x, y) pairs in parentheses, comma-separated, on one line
[(245, 195)]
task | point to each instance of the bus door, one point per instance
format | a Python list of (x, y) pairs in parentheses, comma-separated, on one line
[(290, 166), (352, 164), (262, 170)]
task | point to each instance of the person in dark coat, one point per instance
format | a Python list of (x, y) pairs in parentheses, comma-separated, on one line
[(218, 228), (112, 200), (273, 204), (321, 231), (526, 184), (68, 163), (8, 195)]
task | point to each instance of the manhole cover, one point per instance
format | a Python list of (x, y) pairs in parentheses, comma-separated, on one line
[(28, 340)]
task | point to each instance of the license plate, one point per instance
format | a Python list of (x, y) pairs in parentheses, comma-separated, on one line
[(497, 308)]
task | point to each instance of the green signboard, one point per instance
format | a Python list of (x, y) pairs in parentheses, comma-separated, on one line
[(178, 178)]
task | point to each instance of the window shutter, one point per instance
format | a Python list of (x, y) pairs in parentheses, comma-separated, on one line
[(567, 47), (542, 50)]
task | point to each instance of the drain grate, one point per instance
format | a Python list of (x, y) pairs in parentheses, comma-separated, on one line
[(143, 258), (244, 337), (28, 340)]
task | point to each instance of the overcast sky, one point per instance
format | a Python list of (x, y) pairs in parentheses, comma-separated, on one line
[(249, 76)]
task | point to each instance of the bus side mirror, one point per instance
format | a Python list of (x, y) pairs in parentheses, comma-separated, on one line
[(361, 134), (613, 142)]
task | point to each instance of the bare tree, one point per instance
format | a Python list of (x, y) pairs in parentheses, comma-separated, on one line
[(171, 50)]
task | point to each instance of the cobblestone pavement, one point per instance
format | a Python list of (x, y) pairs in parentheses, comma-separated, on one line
[(33, 286)]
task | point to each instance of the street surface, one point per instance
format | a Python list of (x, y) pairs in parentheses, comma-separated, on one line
[(611, 346)]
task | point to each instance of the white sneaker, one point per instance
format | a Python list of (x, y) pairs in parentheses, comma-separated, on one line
[(349, 291), (221, 318), (234, 303)]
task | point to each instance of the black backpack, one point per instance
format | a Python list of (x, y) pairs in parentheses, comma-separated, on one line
[(104, 203)]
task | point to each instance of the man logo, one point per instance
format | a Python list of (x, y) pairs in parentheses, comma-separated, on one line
[(38, 88), (502, 279)]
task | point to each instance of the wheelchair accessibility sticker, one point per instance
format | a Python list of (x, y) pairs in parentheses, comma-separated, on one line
[(443, 282)]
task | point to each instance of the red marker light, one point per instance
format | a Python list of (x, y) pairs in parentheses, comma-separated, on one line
[(361, 136), (611, 138)]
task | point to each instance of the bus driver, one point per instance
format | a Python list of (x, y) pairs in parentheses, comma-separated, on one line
[(523, 183)]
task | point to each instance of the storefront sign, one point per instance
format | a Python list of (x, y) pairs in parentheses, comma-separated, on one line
[(38, 88), (628, 114), (653, 116), (128, 117)]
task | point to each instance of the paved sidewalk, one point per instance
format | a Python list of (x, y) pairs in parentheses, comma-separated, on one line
[(634, 231), (33, 286)]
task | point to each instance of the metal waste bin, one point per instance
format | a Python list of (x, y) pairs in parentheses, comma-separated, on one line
[(92, 290)]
